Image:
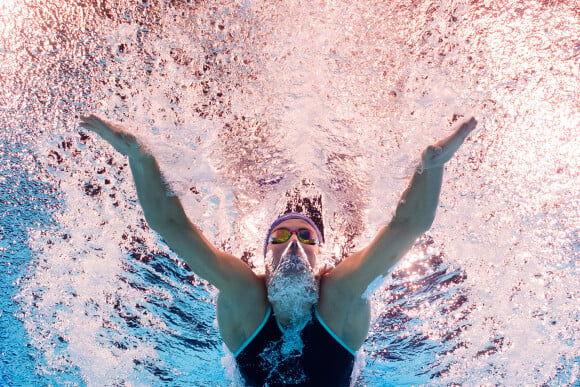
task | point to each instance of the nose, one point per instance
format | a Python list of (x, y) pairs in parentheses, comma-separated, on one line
[(293, 238), (294, 247)]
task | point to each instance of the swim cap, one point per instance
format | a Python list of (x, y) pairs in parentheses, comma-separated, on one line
[(288, 216)]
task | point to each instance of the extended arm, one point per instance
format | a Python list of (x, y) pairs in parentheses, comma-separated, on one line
[(414, 215), (165, 214)]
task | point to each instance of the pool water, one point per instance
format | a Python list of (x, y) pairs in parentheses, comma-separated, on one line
[(248, 105)]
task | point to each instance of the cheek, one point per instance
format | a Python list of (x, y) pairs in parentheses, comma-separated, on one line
[(277, 250), (273, 255), (312, 255)]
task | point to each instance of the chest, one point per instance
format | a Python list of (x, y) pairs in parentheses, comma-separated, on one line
[(310, 356)]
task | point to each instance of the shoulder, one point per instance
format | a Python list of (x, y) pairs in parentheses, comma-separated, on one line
[(239, 315), (345, 313)]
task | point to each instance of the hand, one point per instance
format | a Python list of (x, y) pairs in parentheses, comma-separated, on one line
[(440, 153), (115, 135)]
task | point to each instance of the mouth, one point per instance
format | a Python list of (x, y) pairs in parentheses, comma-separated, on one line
[(292, 286)]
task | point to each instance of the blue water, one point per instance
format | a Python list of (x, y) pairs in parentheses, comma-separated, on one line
[(26, 203), (248, 104)]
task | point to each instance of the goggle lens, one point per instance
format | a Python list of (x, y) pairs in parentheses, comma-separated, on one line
[(282, 235)]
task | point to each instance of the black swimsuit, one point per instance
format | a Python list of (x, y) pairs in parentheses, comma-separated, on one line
[(324, 360)]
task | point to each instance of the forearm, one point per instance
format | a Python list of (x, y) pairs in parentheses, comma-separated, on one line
[(418, 204), (417, 207), (414, 215), (159, 205), (163, 210), (165, 214)]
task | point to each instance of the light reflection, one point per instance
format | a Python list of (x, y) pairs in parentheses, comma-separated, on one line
[(6, 6), (522, 79), (10, 18)]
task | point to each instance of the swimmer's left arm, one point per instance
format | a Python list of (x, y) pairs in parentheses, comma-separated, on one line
[(414, 215)]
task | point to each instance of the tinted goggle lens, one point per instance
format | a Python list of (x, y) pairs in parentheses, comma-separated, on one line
[(304, 235)]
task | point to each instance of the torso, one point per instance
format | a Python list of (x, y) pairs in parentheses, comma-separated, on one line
[(239, 318), (308, 356)]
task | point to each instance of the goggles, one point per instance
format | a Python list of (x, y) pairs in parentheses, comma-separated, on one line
[(282, 235)]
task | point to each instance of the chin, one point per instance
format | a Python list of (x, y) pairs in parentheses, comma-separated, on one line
[(292, 286)]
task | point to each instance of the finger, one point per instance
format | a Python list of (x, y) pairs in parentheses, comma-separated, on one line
[(94, 123), (468, 126), (92, 127), (87, 122), (460, 134), (90, 115), (93, 120), (86, 125)]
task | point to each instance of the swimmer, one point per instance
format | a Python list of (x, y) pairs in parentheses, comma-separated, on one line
[(292, 326)]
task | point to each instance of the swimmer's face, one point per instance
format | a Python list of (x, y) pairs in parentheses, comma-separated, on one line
[(278, 249)]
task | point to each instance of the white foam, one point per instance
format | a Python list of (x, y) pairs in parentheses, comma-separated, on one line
[(292, 290), (344, 93)]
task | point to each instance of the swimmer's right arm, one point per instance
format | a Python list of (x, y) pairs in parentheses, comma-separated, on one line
[(165, 214)]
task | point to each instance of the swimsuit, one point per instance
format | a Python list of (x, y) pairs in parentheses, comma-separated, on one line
[(325, 360)]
